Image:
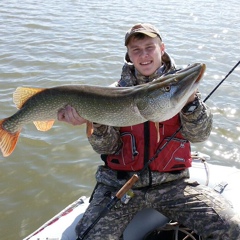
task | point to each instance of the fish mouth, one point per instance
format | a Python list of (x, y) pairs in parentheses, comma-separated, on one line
[(202, 70), (188, 80), (193, 69)]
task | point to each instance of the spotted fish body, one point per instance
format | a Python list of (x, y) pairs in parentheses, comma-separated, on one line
[(156, 101)]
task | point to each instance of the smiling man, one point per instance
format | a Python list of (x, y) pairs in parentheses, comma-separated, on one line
[(165, 184), (145, 52)]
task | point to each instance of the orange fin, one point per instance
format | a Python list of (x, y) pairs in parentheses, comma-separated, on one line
[(157, 129), (44, 125), (89, 130), (22, 94), (8, 141)]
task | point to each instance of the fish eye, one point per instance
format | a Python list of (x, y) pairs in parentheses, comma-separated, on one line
[(167, 88)]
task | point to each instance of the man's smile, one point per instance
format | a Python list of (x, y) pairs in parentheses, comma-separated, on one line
[(146, 63)]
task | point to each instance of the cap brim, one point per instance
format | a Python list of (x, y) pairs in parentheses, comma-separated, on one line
[(152, 35), (149, 34)]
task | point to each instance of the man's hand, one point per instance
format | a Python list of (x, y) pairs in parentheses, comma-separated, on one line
[(70, 115), (191, 98)]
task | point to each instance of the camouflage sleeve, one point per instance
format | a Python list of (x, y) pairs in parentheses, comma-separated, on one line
[(105, 139), (197, 125)]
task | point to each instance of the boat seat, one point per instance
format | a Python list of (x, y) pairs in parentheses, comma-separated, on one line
[(137, 228)]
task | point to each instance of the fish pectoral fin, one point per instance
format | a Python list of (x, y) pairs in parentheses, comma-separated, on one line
[(157, 129), (22, 94), (89, 129), (8, 141), (44, 125)]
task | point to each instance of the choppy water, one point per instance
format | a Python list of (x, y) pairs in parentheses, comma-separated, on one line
[(48, 43)]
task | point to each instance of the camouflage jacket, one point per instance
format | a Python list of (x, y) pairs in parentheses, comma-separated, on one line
[(196, 127)]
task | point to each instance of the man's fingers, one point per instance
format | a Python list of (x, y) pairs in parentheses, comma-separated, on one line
[(70, 115), (61, 115)]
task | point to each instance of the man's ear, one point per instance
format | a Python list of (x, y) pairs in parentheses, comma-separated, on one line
[(162, 47), (127, 58)]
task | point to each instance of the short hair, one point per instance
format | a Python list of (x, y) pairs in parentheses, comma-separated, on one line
[(141, 36)]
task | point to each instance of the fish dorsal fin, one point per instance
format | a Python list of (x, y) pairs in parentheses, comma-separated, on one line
[(44, 125), (22, 94)]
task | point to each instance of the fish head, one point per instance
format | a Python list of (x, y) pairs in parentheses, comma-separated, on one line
[(167, 95)]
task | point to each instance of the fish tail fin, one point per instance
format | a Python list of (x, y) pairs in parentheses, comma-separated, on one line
[(22, 94), (8, 140)]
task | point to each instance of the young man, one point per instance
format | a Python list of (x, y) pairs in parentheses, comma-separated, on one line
[(163, 186)]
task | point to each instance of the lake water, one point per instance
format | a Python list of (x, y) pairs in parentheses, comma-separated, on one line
[(49, 43)]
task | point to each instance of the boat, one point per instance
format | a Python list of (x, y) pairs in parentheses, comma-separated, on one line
[(222, 179)]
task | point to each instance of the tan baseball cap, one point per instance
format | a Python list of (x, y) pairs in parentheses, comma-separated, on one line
[(145, 28)]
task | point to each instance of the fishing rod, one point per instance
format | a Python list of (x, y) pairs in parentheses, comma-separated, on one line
[(135, 177), (210, 94)]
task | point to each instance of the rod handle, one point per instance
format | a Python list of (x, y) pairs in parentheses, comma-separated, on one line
[(128, 185)]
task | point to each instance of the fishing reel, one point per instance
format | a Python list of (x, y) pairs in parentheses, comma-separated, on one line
[(172, 231)]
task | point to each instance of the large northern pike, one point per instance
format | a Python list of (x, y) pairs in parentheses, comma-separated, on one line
[(155, 101)]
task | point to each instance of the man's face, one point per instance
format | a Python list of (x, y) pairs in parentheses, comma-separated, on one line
[(146, 54)]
